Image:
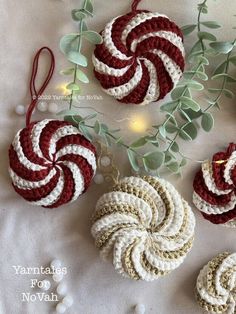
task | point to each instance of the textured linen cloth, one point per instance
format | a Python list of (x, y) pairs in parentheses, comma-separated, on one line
[(32, 236)]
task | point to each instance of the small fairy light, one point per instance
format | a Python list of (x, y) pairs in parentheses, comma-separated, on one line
[(63, 89), (138, 124), (219, 162)]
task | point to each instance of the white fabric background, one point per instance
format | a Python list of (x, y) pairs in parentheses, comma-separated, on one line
[(31, 236)]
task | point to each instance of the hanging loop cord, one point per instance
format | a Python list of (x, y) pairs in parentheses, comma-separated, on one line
[(33, 92), (135, 5)]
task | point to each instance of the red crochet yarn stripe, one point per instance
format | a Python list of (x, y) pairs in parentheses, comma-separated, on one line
[(153, 41), (211, 198)]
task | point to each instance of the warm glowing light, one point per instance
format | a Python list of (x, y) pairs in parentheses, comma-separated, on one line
[(63, 89), (138, 124), (219, 161)]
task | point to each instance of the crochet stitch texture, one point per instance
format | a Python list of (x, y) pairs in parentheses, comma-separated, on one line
[(141, 58), (145, 226), (214, 188), (216, 285), (51, 163)]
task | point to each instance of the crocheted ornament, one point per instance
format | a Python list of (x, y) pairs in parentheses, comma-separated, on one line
[(141, 58), (214, 188), (51, 163), (216, 285), (145, 226)]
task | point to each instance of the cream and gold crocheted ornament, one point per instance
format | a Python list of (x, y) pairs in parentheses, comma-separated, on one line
[(145, 226), (216, 285)]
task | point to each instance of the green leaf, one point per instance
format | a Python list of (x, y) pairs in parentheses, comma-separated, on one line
[(174, 147), (211, 24), (197, 48), (190, 74), (188, 131), (72, 86), (168, 157), (207, 122), (183, 162), (81, 76), (162, 131), (178, 92), (93, 37), (133, 159), (97, 127), (203, 60), (222, 47), (206, 36), (153, 160), (192, 115), (84, 130), (151, 139), (67, 71), (228, 93), (220, 68), (190, 103), (78, 15), (139, 143), (195, 85), (88, 6), (188, 29), (173, 167), (229, 78), (77, 58), (233, 60), (170, 106), (171, 128), (67, 112), (68, 43)]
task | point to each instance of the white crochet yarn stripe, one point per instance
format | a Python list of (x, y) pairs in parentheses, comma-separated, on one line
[(171, 67), (54, 195), (224, 296), (230, 165), (136, 21), (203, 292), (21, 156), (25, 184), (230, 224), (78, 150), (153, 91), (209, 180), (135, 232), (121, 91), (107, 38), (78, 179), (213, 209), (170, 36), (59, 134), (103, 68)]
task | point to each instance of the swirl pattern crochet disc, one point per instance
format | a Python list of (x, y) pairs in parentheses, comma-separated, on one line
[(51, 163), (141, 58), (145, 226), (214, 188), (216, 285)]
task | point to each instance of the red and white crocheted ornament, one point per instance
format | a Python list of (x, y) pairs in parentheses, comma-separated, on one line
[(141, 58), (215, 188), (51, 163)]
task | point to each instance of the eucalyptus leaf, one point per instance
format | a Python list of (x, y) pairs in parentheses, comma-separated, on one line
[(84, 130), (183, 162), (220, 68), (67, 112), (222, 47), (190, 103), (170, 106), (207, 122), (233, 60), (173, 167), (171, 128), (67, 71), (88, 6), (133, 159), (195, 85), (228, 93), (69, 43), (93, 37), (178, 92), (153, 160), (78, 15), (77, 58), (162, 131), (211, 24), (139, 143), (206, 36), (188, 29), (81, 76), (72, 86), (174, 147), (97, 127), (188, 131)]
